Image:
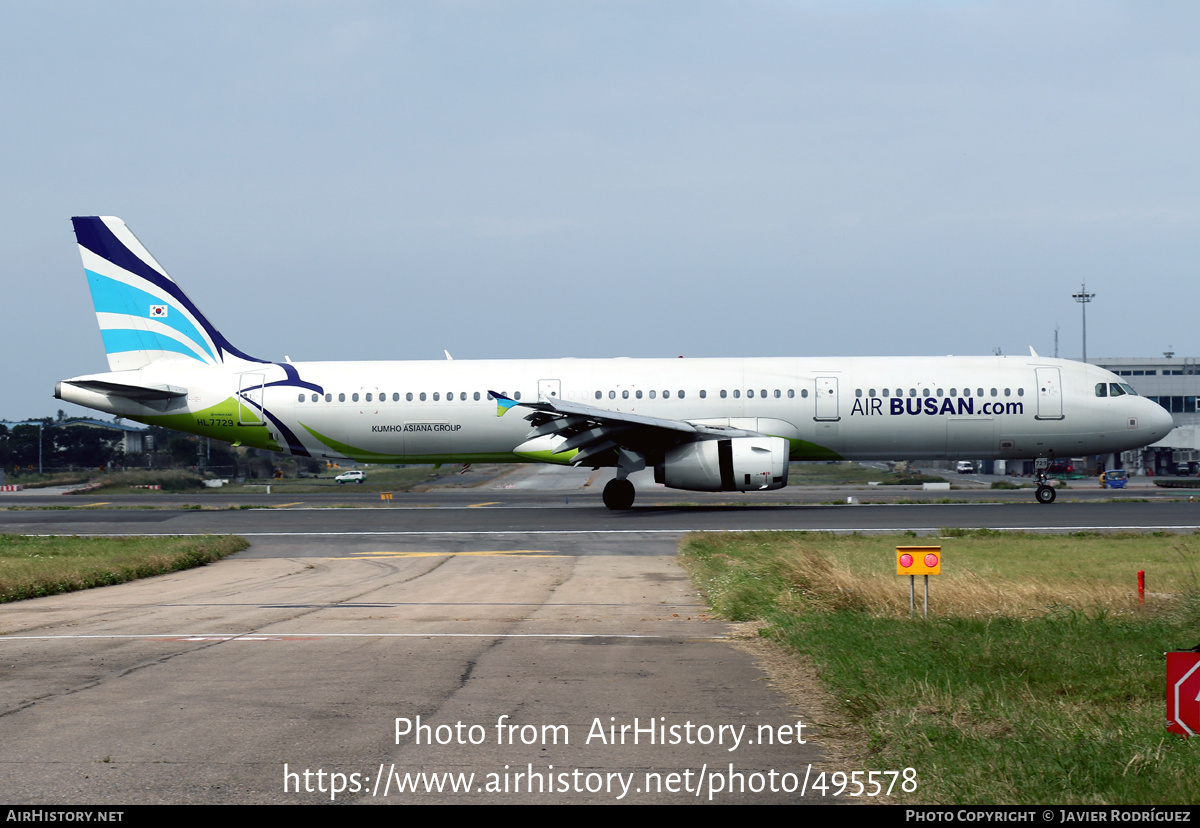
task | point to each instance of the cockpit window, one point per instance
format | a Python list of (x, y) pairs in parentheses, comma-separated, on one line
[(1128, 388), (1102, 389), (1115, 389)]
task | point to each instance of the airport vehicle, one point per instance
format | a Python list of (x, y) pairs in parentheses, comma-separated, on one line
[(1061, 467), (700, 424), (1115, 479), (352, 476), (965, 467)]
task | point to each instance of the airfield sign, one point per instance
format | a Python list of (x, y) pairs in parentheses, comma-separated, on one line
[(1183, 693)]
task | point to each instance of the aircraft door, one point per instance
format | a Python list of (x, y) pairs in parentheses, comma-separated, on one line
[(1049, 391), (827, 399), (250, 399), (549, 390)]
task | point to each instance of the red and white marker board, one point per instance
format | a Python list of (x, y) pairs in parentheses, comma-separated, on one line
[(1183, 693)]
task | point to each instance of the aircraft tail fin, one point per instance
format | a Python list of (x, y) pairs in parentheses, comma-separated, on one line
[(144, 317)]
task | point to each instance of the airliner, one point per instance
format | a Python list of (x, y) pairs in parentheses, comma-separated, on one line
[(713, 425)]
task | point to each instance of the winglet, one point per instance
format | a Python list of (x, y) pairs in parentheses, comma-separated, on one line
[(503, 403)]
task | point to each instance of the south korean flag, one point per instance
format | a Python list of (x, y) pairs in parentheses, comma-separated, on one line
[(158, 311)]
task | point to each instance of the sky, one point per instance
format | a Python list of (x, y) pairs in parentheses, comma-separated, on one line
[(381, 180)]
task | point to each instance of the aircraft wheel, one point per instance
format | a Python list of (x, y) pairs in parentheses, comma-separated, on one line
[(619, 494), (1046, 494)]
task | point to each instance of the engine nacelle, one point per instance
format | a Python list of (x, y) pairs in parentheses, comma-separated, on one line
[(737, 464)]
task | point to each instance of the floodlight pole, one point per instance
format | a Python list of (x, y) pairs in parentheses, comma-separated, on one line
[(1083, 297)]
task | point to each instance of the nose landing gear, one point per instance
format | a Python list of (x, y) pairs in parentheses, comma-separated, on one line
[(1045, 493)]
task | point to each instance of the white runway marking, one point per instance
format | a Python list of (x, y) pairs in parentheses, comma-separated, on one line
[(312, 636), (837, 530)]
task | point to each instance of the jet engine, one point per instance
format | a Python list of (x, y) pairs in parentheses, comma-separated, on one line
[(735, 464)]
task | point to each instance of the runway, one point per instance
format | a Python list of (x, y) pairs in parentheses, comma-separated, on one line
[(278, 676)]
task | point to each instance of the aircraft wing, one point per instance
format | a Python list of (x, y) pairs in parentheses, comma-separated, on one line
[(594, 431)]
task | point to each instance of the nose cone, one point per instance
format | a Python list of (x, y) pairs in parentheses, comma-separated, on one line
[(1156, 423)]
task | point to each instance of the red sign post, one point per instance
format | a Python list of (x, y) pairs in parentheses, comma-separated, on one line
[(1183, 693)]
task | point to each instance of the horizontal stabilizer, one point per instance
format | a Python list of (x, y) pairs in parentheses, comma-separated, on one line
[(140, 393), (121, 398)]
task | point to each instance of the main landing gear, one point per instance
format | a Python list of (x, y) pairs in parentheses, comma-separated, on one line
[(619, 494)]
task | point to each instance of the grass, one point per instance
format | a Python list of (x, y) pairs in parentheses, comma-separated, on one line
[(378, 479), (1038, 679), (36, 566), (851, 474)]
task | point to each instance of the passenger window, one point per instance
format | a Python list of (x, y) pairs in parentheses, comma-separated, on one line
[(638, 394), (724, 393), (301, 398), (750, 393), (341, 397), (315, 398), (939, 393), (924, 392), (422, 396), (624, 395), (599, 394), (777, 394), (329, 398), (737, 393), (436, 396), (612, 395), (368, 397), (803, 392), (703, 394), (462, 396), (791, 393), (476, 396), (666, 395), (995, 393), (763, 393), (681, 395), (652, 393), (886, 392), (516, 395), (1008, 392)]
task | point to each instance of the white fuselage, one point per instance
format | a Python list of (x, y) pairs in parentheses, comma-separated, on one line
[(826, 408)]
